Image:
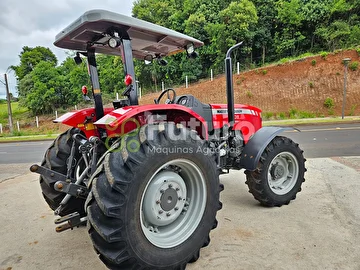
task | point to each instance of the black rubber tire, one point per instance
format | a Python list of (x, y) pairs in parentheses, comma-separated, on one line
[(55, 158), (257, 180), (113, 206)]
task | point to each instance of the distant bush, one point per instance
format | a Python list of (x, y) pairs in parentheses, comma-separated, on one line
[(293, 113), (358, 50), (264, 71), (281, 116), (329, 103), (249, 94), (311, 84), (313, 62), (354, 65), (352, 110), (267, 115), (324, 55)]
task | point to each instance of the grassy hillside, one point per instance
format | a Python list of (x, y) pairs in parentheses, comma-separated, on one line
[(17, 111), (295, 89)]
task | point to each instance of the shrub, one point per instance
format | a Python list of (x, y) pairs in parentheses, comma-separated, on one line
[(313, 62), (338, 73), (282, 116), (311, 84), (329, 103), (249, 94), (267, 115), (293, 113), (352, 110), (264, 71), (354, 65), (358, 50), (323, 55)]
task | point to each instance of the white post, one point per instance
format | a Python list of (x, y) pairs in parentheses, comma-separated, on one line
[(139, 92), (75, 107), (162, 86), (186, 82), (37, 121), (211, 75), (117, 96), (56, 115), (18, 125), (1, 131), (238, 68)]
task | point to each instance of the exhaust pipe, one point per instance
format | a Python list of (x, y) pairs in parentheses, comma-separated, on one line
[(230, 85)]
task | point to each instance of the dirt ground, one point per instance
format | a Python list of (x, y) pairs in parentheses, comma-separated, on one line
[(296, 85)]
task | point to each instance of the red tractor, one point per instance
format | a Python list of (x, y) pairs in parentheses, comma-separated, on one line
[(145, 178)]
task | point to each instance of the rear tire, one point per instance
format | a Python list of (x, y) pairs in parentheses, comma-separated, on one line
[(279, 173), (55, 158), (138, 217)]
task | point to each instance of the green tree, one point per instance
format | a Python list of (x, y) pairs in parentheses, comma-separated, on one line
[(30, 57), (288, 37)]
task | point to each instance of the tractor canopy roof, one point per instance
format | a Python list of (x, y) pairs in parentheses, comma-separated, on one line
[(95, 27)]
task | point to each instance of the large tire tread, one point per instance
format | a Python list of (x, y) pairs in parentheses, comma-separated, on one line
[(256, 179), (105, 206)]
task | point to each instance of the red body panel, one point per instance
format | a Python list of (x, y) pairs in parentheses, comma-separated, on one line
[(121, 121), (82, 119), (247, 118)]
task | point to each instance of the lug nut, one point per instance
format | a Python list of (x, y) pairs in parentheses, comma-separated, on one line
[(176, 208), (60, 186), (170, 185), (158, 202), (180, 198), (161, 211), (177, 189), (162, 191), (168, 214)]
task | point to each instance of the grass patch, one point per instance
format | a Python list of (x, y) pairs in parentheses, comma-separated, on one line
[(354, 65), (18, 112)]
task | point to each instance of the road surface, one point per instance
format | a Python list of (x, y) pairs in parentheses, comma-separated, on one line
[(316, 141)]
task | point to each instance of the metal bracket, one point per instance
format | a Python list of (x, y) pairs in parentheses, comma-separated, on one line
[(72, 189), (73, 220), (50, 174)]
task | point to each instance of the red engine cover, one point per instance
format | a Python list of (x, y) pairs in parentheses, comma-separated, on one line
[(247, 118)]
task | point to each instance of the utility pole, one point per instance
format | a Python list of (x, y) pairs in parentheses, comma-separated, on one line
[(8, 103), (346, 62)]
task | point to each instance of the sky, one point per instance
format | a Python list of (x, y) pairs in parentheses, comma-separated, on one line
[(36, 22)]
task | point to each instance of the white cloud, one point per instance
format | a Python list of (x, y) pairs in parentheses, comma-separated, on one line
[(36, 22)]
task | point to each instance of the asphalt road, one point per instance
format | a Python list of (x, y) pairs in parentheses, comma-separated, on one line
[(316, 141)]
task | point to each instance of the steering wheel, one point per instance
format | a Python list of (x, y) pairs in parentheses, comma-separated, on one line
[(168, 100)]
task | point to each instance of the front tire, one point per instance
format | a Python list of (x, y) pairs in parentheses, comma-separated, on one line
[(279, 173), (154, 201)]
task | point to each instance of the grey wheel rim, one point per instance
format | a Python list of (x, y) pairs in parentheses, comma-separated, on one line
[(173, 203), (283, 173)]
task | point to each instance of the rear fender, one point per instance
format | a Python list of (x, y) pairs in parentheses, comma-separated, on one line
[(127, 119), (255, 147), (83, 119)]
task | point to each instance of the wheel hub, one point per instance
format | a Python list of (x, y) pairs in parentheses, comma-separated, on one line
[(165, 199), (169, 199), (283, 173), (277, 171)]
